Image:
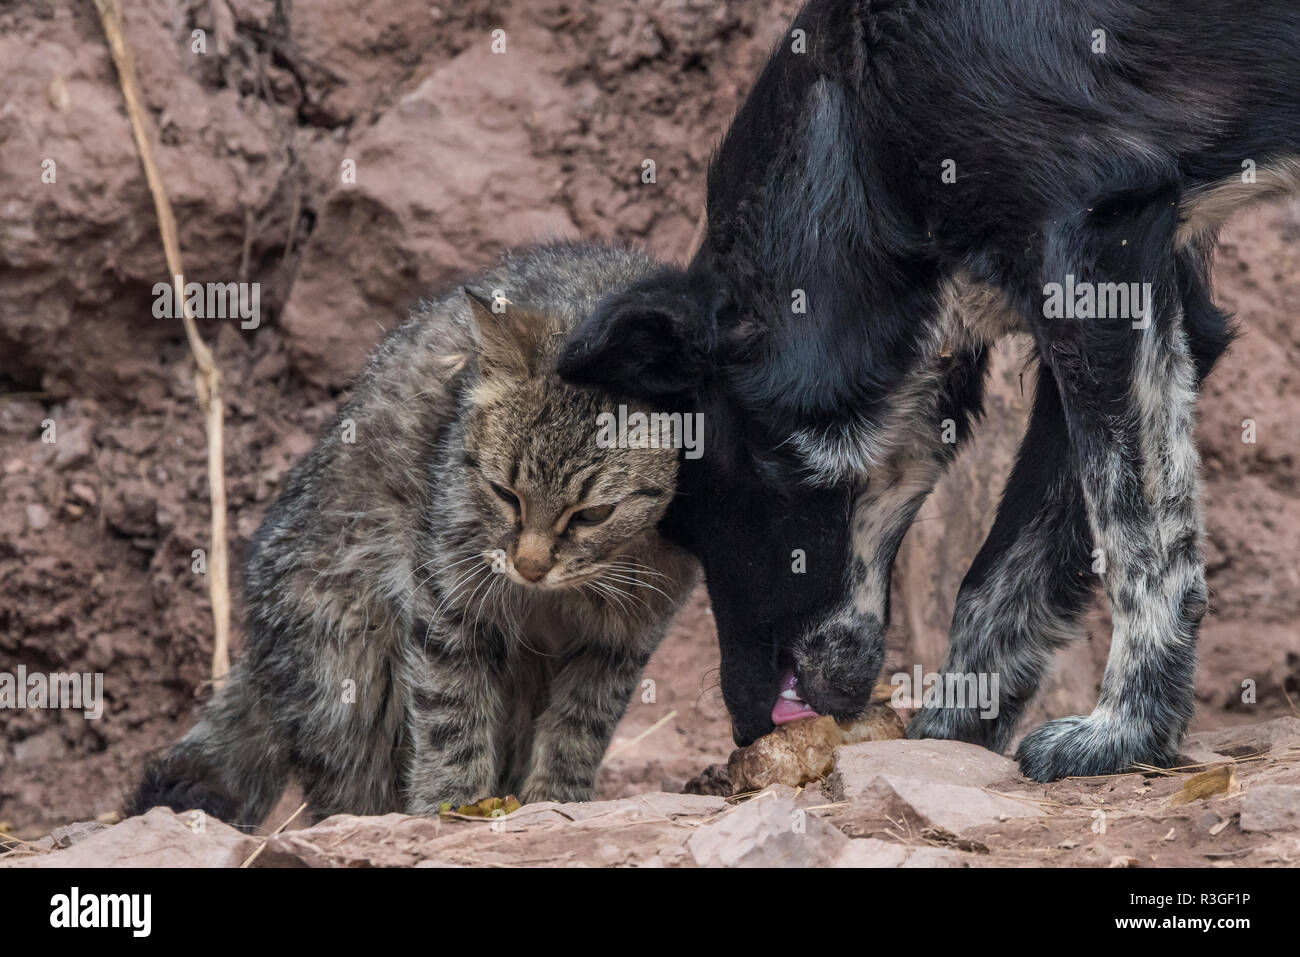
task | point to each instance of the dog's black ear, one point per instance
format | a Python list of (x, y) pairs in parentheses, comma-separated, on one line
[(654, 340)]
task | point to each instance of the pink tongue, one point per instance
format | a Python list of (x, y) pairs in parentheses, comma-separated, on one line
[(790, 709)]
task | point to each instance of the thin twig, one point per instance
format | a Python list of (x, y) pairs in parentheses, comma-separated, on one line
[(623, 745), (207, 379), (697, 237), (267, 840)]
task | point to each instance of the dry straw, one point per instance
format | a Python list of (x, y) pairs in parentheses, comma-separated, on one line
[(207, 378)]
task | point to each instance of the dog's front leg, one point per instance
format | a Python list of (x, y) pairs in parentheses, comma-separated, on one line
[(838, 660), (1026, 589), (1128, 388)]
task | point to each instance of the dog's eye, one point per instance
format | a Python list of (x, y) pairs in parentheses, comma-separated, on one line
[(503, 493), (592, 516)]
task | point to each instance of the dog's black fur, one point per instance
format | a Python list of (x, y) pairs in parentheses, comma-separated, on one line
[(1110, 167)]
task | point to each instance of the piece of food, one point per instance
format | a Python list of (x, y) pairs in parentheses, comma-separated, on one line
[(798, 752)]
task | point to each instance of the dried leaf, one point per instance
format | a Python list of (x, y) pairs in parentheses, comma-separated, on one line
[(488, 807), (1221, 779)]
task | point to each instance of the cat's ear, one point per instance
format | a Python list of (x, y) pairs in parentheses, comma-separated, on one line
[(508, 335), (655, 340)]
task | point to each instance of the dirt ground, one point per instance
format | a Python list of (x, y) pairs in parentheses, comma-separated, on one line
[(458, 152)]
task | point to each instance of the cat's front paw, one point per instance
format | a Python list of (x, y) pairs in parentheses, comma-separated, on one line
[(561, 792), (837, 666), (1083, 746)]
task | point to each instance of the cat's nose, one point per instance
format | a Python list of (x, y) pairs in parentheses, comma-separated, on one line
[(532, 558), (533, 569)]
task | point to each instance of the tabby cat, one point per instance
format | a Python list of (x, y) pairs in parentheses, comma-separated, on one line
[(457, 591)]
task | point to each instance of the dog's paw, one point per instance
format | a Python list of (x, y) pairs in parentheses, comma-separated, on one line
[(837, 666), (1082, 746), (959, 724)]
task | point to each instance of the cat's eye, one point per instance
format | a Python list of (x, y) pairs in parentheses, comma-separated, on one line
[(592, 516), (503, 493)]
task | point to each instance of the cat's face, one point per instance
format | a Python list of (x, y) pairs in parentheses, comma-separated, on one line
[(558, 502)]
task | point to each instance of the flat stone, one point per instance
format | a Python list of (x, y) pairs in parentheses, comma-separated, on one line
[(75, 833), (939, 783), (952, 762), (1243, 741), (871, 852), (1271, 807), (160, 838), (347, 840), (767, 832)]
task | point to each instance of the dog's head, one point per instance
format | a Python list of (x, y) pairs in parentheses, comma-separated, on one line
[(775, 548)]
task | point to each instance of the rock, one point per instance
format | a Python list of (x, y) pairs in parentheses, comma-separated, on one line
[(1285, 850), (37, 517), (346, 840), (767, 832), (72, 448), (1243, 741), (952, 762), (1271, 807), (75, 833), (870, 852), (653, 806), (936, 783), (543, 832), (160, 838)]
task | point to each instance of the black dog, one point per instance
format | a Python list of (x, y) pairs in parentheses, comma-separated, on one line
[(927, 176)]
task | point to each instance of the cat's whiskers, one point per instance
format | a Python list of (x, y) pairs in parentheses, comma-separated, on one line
[(602, 593), (436, 617), (460, 584), (619, 594), (615, 576), (631, 565), (423, 565), (478, 613), (514, 631), (414, 592)]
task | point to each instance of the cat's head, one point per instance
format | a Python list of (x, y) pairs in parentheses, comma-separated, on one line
[(558, 501)]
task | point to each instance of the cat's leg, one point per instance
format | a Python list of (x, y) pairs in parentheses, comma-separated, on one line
[(589, 694), (1128, 389), (336, 707), (1027, 588), (454, 713)]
